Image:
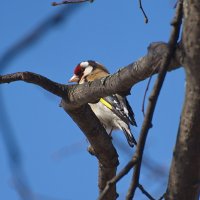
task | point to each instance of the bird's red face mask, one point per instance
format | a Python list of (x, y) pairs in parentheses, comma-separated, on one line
[(78, 73)]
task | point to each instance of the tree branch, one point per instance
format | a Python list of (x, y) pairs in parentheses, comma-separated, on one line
[(146, 20), (129, 76), (76, 97), (119, 176), (100, 141), (70, 2), (145, 192), (29, 77)]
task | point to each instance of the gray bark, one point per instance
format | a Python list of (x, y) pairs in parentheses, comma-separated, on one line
[(184, 179)]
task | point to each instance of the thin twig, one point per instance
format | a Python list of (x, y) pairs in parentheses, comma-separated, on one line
[(149, 163), (154, 97), (68, 2), (145, 94), (147, 88), (145, 192), (162, 197), (146, 20)]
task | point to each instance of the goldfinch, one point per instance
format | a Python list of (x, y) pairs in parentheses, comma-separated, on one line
[(114, 111)]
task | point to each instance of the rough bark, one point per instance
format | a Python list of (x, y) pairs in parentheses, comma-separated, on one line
[(184, 180)]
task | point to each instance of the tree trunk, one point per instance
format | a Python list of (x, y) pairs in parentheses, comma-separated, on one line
[(184, 180)]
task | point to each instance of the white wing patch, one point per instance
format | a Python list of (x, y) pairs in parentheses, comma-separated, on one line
[(126, 111)]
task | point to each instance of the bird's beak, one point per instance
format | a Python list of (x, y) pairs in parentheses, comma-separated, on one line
[(74, 78)]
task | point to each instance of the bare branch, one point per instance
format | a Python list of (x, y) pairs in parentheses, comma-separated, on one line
[(75, 97), (100, 141), (29, 77), (145, 192), (79, 95), (146, 20), (153, 99), (129, 75), (145, 94), (70, 1), (162, 197)]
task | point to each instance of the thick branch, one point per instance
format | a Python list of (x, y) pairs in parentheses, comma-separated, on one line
[(184, 180), (101, 143), (154, 97), (78, 95), (129, 75)]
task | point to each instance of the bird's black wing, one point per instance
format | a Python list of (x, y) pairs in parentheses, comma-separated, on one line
[(131, 113), (121, 108)]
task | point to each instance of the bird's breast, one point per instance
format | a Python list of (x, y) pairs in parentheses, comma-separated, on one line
[(104, 114)]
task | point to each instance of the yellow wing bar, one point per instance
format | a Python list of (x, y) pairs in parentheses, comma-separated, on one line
[(106, 103)]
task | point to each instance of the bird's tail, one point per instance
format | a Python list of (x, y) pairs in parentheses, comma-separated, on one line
[(129, 136)]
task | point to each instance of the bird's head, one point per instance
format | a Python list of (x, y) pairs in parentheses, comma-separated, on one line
[(88, 69)]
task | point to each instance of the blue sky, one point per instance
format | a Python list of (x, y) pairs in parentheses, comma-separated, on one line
[(52, 147)]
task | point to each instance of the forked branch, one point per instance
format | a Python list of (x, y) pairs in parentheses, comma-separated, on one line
[(75, 98)]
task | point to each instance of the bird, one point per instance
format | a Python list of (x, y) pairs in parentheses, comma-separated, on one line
[(114, 111)]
